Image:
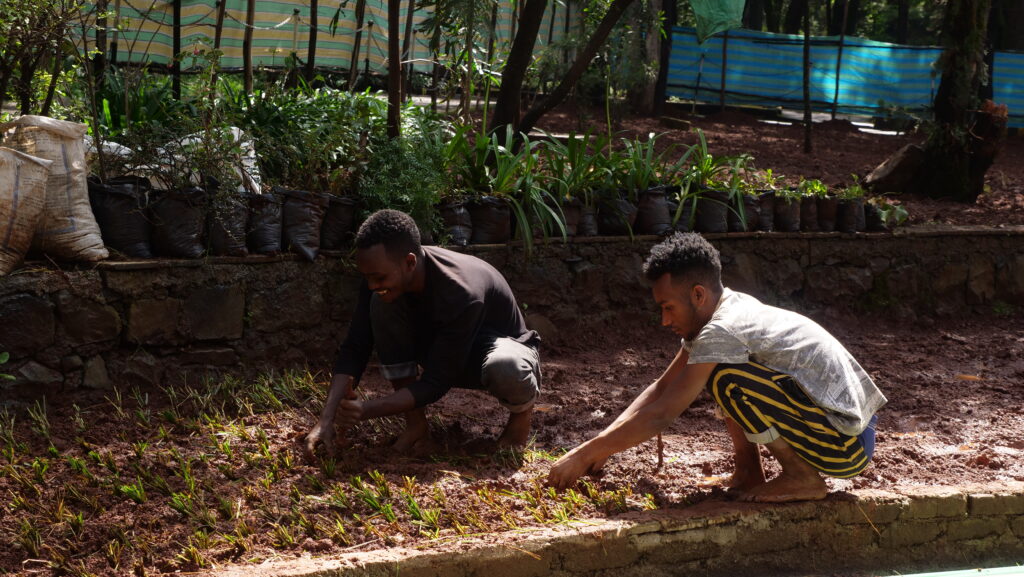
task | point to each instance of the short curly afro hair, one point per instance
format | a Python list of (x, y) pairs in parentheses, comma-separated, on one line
[(394, 229), (685, 255)]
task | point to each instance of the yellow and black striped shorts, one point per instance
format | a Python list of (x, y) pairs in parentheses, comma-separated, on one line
[(769, 405)]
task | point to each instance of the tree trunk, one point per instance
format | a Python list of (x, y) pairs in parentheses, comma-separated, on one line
[(353, 67), (408, 49), (652, 53), (314, 13), (467, 76), (176, 49), (808, 121), (579, 66), (394, 68), (794, 16), (773, 15), (844, 17), (902, 21), (100, 61), (753, 15), (54, 76), (435, 75), (665, 51), (1006, 25), (966, 135), (250, 21), (506, 109)]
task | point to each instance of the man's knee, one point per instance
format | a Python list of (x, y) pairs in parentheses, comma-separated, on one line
[(511, 373)]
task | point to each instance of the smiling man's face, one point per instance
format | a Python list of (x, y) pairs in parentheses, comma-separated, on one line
[(388, 276)]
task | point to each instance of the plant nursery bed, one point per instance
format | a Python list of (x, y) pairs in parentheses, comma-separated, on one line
[(211, 478)]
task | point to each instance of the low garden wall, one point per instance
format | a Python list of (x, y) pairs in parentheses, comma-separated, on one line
[(166, 321), (870, 531)]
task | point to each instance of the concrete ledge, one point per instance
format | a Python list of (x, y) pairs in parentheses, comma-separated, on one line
[(920, 529)]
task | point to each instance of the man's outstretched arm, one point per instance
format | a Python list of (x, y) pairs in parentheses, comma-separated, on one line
[(652, 411)]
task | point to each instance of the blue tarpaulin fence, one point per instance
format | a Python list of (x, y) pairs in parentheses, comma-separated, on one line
[(875, 78)]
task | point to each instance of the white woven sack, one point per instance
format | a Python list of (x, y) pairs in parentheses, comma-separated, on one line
[(22, 196), (68, 229)]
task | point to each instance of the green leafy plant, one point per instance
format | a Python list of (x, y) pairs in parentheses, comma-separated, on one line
[(853, 191), (704, 169), (767, 180), (573, 169), (4, 357), (812, 187), (642, 166), (891, 214)]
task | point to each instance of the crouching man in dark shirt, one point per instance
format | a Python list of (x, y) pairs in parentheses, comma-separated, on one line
[(452, 314)]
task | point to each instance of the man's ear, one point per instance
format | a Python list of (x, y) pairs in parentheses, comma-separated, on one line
[(699, 295), (410, 261)]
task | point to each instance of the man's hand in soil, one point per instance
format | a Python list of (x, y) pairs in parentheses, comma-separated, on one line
[(350, 412), (572, 466), (323, 432), (646, 416)]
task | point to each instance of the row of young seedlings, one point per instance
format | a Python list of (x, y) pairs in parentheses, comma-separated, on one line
[(52, 520), (203, 456)]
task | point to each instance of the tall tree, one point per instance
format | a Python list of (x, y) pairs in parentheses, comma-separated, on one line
[(507, 107), (250, 23), (615, 10), (844, 17), (794, 16), (967, 132), (314, 22), (1006, 26), (753, 15), (902, 21), (394, 68), (353, 65)]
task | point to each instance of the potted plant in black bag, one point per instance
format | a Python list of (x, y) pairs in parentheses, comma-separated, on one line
[(811, 192), (766, 184), (644, 177), (707, 178), (850, 212), (573, 171), (787, 209), (744, 204)]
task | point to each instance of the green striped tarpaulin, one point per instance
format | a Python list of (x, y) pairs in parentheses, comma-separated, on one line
[(143, 30), (875, 78)]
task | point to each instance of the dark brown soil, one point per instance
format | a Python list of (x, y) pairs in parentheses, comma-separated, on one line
[(954, 386)]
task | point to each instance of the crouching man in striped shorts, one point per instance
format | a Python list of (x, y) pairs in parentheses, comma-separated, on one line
[(780, 379)]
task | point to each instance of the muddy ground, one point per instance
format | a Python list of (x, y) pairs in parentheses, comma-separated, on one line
[(953, 418)]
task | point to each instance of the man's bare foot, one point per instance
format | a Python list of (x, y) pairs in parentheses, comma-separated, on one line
[(742, 481), (786, 488), (517, 430), (413, 433)]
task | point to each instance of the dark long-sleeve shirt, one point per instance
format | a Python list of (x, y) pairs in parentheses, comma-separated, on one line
[(463, 298)]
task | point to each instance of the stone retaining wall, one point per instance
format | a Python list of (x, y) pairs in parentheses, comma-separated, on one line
[(155, 322), (880, 532)]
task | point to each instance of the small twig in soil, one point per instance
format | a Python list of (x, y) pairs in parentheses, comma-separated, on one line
[(661, 452)]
